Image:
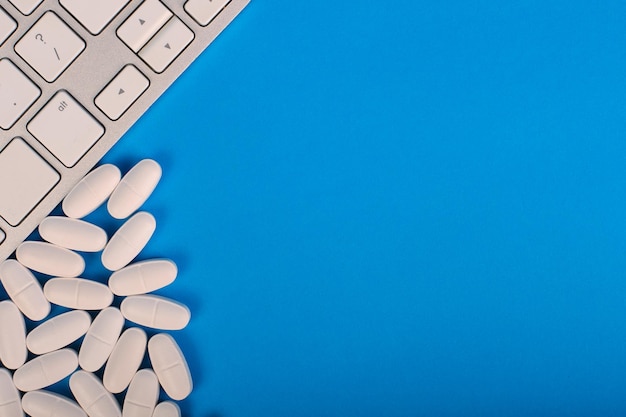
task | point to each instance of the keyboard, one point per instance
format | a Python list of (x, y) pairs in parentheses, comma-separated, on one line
[(75, 75)]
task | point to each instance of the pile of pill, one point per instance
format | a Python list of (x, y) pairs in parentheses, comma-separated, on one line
[(114, 342)]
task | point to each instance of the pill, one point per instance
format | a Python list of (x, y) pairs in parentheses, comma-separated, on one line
[(73, 234), (48, 404), (50, 259), (170, 366), (91, 191), (45, 370), (143, 277), (9, 397), (166, 409), (58, 332), (142, 395), (78, 293), (92, 396), (13, 351), (24, 289), (128, 241), (125, 360), (156, 312), (100, 339), (134, 189)]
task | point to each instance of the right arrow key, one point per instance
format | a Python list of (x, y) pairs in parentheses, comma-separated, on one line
[(166, 45)]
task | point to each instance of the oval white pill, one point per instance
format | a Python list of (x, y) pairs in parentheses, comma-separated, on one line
[(156, 312), (45, 370), (170, 366), (24, 290), (100, 339), (134, 189), (10, 405), (48, 404), (13, 351), (142, 395), (92, 396), (166, 409), (58, 332), (78, 293), (73, 234), (128, 241), (143, 277), (125, 360), (50, 259), (91, 191)]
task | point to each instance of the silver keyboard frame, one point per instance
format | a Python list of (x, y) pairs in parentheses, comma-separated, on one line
[(105, 55)]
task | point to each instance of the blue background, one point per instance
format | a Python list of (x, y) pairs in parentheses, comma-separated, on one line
[(414, 208)]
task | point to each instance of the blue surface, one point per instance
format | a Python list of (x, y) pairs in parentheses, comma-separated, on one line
[(402, 209)]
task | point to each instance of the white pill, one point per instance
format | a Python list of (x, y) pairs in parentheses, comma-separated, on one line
[(92, 396), (24, 290), (142, 395), (100, 339), (48, 404), (91, 191), (134, 189), (125, 360), (50, 259), (78, 293), (9, 397), (58, 332), (13, 351), (156, 312), (45, 370), (128, 241), (143, 277), (166, 409), (170, 366), (73, 234)]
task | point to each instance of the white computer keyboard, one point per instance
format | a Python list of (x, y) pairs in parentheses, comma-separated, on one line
[(75, 75)]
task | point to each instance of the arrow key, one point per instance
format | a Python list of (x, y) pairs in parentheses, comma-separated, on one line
[(122, 92), (166, 45), (143, 24)]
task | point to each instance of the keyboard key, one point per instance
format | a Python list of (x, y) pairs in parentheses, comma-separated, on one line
[(50, 46), (7, 26), (26, 6), (94, 15), (166, 45), (17, 93), (65, 128), (25, 179), (204, 11), (122, 92), (143, 24)]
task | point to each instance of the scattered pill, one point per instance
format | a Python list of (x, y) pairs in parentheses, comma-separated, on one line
[(45, 370), (128, 241), (91, 191), (166, 409), (48, 404), (24, 289), (13, 351), (9, 397), (142, 395), (73, 234), (100, 339), (125, 360), (134, 189), (92, 396), (170, 366), (50, 259), (155, 312), (143, 277), (58, 332), (78, 293)]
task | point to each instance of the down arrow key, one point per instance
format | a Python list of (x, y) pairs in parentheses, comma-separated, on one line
[(166, 45)]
